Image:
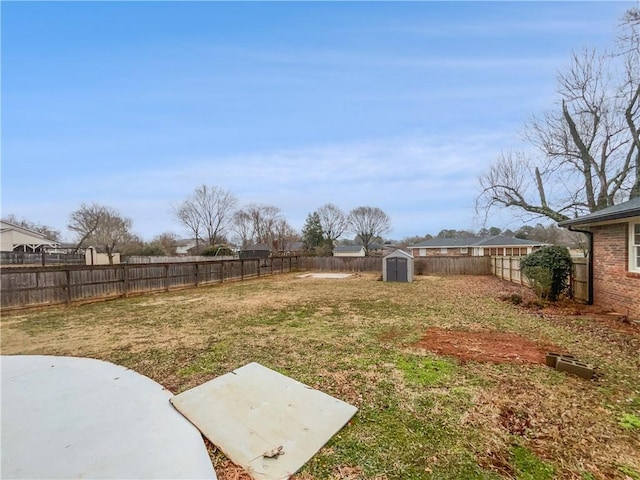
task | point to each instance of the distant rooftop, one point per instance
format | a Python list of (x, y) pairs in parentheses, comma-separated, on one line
[(348, 248), (497, 241)]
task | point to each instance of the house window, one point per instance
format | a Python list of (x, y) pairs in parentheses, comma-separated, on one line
[(464, 250), (634, 247), (444, 250)]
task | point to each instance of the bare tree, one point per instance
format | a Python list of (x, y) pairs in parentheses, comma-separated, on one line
[(209, 210), (215, 207), (85, 221), (242, 226), (167, 242), (629, 51), (285, 235), (264, 222), (588, 145), (100, 226), (187, 214), (333, 222), (257, 223), (368, 223)]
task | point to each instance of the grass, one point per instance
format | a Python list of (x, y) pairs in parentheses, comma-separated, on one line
[(529, 467), (421, 416)]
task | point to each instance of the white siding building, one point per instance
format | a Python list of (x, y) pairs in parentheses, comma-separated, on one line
[(16, 238)]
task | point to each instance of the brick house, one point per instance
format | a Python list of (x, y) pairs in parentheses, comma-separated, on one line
[(615, 256), (474, 247)]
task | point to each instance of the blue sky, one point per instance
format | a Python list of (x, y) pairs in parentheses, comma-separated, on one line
[(294, 104)]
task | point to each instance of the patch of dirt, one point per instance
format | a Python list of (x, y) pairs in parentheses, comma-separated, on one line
[(484, 346)]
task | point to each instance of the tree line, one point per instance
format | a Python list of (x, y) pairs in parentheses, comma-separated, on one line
[(213, 222), (213, 217), (551, 234)]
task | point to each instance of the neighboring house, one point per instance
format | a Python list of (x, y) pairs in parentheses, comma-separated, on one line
[(474, 247), (377, 250), (14, 238), (184, 245), (349, 251), (293, 248), (615, 256), (287, 248), (257, 250)]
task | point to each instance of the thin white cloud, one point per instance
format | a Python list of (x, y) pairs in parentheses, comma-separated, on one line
[(410, 174)]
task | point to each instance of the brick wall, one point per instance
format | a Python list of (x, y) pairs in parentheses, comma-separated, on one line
[(614, 287)]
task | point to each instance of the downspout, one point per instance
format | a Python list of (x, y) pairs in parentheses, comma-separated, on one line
[(589, 235)]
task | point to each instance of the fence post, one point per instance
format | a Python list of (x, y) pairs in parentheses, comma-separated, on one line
[(281, 264), (520, 271), (510, 273), (241, 269), (571, 278), (125, 278), (222, 272), (258, 260), (68, 275), (166, 276), (271, 264), (196, 269)]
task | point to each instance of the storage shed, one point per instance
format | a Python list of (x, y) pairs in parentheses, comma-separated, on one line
[(397, 267)]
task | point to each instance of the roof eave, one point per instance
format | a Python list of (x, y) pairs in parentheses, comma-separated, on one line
[(576, 222)]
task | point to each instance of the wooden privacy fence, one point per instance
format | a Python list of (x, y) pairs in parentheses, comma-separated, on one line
[(26, 258), (422, 266), (508, 268), (342, 264), (453, 266), (24, 287), (163, 259)]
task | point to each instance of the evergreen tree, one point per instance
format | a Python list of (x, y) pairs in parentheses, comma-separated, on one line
[(312, 232)]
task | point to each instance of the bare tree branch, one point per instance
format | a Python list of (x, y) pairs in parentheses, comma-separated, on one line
[(588, 146)]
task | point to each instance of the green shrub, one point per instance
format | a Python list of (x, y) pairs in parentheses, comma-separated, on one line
[(548, 271), (152, 250)]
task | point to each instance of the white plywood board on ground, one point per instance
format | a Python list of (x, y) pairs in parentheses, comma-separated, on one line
[(254, 410), (65, 417)]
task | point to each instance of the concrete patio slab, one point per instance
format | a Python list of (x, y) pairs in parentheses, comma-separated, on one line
[(254, 411), (324, 275), (65, 417)]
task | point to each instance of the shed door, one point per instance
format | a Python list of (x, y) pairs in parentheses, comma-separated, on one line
[(397, 270)]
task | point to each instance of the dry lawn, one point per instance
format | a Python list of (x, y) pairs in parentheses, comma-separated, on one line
[(426, 411)]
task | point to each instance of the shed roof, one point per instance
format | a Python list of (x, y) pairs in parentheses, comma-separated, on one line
[(630, 208), (399, 253)]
